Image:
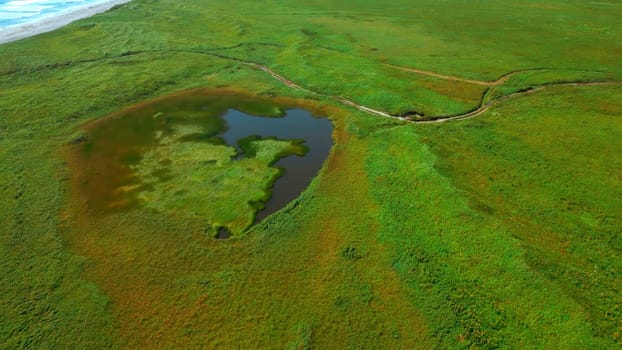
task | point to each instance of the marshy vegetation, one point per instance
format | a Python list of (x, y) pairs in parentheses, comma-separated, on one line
[(501, 231), (199, 154)]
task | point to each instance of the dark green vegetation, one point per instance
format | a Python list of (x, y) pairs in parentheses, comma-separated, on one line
[(501, 231)]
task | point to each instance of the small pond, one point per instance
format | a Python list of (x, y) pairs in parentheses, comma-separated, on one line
[(226, 158)]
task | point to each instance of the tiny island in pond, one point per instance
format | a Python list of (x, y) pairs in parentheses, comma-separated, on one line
[(310, 175)]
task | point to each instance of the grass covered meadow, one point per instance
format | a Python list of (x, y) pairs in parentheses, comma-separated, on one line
[(500, 231)]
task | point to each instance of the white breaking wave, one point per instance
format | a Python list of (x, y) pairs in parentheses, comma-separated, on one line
[(23, 18), (18, 12)]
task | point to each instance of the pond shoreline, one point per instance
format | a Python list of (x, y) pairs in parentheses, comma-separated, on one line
[(117, 169)]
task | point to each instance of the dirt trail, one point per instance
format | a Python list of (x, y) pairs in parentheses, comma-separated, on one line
[(412, 118), (501, 80), (281, 78), (438, 119), (483, 108), (450, 77)]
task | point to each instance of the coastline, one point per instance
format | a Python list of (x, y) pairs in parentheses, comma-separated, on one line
[(48, 24)]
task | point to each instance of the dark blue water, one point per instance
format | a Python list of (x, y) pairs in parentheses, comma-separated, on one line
[(299, 171)]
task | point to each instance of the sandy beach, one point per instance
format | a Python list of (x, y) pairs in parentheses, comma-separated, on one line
[(53, 22)]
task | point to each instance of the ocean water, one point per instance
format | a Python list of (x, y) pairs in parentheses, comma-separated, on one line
[(16, 12)]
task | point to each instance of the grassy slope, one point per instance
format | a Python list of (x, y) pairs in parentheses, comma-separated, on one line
[(503, 238), (548, 168)]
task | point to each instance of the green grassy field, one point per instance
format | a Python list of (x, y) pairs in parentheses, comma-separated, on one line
[(500, 231)]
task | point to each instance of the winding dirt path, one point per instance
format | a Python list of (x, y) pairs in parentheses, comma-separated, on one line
[(342, 100), (412, 118), (483, 108), (501, 80), (449, 77), (438, 119)]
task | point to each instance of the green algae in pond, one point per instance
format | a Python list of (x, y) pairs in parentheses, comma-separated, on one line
[(167, 155)]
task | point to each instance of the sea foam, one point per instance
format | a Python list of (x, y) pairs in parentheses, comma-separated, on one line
[(18, 12)]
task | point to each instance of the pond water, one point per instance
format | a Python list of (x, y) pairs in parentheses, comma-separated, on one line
[(229, 159), (299, 171)]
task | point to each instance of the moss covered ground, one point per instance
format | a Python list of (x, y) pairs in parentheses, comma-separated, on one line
[(500, 231)]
